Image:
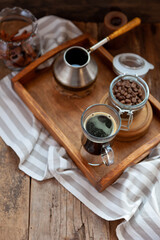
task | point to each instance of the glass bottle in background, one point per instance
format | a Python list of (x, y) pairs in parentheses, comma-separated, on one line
[(19, 39)]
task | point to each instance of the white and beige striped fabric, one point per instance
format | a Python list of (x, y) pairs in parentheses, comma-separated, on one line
[(134, 197)]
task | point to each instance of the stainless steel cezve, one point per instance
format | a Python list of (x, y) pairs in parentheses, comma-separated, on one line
[(75, 69)]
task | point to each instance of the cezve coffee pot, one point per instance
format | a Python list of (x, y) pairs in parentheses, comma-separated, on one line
[(75, 69)]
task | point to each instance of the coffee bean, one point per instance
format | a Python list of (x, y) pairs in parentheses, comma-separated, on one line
[(134, 94), (135, 89), (115, 91), (121, 97), (122, 92), (140, 90), (128, 101), (118, 95), (129, 90), (127, 85), (133, 84), (133, 100), (118, 84), (128, 96)]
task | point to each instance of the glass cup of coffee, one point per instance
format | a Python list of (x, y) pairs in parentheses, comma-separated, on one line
[(100, 124)]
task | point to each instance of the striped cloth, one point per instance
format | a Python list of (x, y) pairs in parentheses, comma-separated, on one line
[(134, 197)]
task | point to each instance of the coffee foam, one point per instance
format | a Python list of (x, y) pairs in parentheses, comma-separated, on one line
[(114, 128)]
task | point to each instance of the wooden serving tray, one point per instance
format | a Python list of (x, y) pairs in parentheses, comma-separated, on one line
[(61, 114)]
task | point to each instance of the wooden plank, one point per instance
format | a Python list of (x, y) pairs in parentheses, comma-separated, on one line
[(14, 197), (57, 214), (90, 10), (151, 52)]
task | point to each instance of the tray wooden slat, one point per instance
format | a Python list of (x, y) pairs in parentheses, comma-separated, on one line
[(61, 115)]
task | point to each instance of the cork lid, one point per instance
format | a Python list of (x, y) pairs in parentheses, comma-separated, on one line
[(130, 63)]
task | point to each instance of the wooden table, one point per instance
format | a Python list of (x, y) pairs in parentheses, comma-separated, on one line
[(46, 210)]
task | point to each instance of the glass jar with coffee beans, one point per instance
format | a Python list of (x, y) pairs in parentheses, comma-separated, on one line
[(128, 94)]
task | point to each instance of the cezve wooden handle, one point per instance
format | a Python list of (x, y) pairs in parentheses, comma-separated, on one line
[(127, 27)]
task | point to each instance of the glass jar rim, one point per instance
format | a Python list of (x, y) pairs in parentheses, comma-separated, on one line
[(99, 139), (134, 78), (15, 11)]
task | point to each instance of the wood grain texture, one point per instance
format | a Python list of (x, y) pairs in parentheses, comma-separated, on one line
[(49, 200), (57, 214), (90, 10), (14, 197)]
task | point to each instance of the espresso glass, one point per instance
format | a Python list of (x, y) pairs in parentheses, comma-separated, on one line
[(95, 144)]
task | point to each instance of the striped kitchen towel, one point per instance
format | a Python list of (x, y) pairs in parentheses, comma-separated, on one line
[(134, 197)]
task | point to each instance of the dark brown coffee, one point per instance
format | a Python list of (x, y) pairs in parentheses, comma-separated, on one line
[(76, 57), (91, 147), (100, 125)]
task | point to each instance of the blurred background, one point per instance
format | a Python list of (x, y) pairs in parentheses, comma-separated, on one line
[(89, 10)]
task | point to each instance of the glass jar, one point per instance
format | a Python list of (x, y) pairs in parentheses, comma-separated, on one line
[(127, 111), (19, 39)]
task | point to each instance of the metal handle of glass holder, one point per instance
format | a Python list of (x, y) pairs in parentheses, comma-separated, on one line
[(107, 155), (129, 120)]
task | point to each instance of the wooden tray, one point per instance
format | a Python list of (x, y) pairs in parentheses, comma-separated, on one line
[(61, 115)]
